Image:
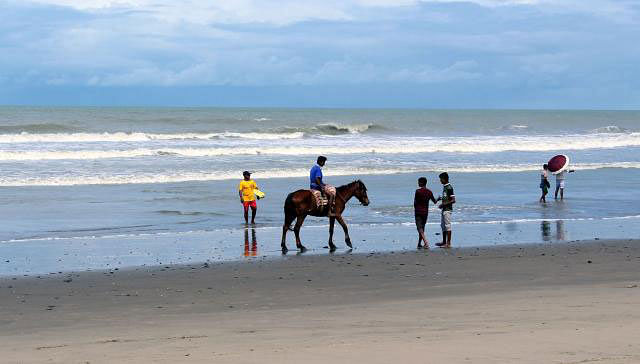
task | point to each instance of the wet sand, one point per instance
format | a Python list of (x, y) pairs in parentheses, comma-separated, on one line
[(552, 303)]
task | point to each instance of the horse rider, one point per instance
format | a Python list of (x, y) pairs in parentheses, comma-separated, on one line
[(315, 177)]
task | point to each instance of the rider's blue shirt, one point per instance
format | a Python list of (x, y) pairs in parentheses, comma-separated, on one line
[(316, 171)]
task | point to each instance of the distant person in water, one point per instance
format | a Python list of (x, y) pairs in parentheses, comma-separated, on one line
[(560, 183), (421, 208), (448, 198), (544, 183), (246, 190), (316, 183)]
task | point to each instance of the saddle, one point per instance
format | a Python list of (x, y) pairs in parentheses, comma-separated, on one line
[(321, 199)]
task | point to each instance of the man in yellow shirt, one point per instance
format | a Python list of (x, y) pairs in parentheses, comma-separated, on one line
[(246, 190)]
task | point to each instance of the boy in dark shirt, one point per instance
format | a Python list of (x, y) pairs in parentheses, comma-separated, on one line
[(421, 209), (448, 199)]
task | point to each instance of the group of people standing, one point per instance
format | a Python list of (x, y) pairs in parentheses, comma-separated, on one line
[(545, 185), (421, 208), (247, 189)]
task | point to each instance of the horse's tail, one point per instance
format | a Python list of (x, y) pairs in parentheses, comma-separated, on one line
[(289, 211)]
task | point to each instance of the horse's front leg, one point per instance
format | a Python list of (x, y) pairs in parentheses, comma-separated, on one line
[(347, 239), (296, 230), (332, 222)]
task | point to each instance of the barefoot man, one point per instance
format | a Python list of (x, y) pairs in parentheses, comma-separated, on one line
[(448, 198), (246, 190), (315, 176)]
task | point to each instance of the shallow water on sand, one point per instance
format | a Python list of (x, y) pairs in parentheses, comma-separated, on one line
[(95, 188), (110, 252), (162, 228)]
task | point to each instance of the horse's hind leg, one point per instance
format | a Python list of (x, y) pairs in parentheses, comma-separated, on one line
[(347, 239), (296, 230), (288, 219), (283, 245)]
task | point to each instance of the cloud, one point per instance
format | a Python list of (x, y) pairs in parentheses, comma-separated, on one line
[(484, 44), (283, 12), (349, 72), (279, 13)]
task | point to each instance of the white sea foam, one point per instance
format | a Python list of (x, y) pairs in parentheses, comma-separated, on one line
[(520, 221), (515, 127), (535, 167), (71, 180), (101, 179), (333, 146)]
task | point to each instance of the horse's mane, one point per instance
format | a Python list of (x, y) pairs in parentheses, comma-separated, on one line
[(352, 184)]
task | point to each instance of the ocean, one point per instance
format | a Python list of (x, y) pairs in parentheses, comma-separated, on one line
[(90, 188)]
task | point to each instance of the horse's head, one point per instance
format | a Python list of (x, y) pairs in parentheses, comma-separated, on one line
[(360, 192)]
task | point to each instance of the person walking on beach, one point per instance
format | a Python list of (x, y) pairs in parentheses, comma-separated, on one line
[(560, 183), (246, 190), (316, 183), (421, 208), (544, 183), (448, 198)]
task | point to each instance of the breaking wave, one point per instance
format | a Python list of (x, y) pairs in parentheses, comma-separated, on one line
[(338, 129), (609, 129), (331, 129), (56, 134), (337, 146), (136, 137)]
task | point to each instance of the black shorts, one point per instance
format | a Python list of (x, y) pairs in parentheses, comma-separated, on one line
[(421, 221)]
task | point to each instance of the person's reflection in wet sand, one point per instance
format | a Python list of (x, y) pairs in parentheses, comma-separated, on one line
[(545, 228), (560, 232), (250, 250)]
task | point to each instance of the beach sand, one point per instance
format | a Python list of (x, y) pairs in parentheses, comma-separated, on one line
[(573, 302)]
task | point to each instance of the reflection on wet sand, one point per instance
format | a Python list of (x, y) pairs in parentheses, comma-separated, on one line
[(545, 229), (250, 250), (560, 232)]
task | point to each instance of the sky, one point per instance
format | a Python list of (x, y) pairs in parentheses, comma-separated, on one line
[(567, 54)]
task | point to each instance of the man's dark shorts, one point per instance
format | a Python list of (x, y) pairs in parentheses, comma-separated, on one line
[(421, 221)]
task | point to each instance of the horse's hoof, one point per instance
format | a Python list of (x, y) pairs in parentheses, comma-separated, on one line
[(284, 249), (302, 248), (332, 248), (348, 242)]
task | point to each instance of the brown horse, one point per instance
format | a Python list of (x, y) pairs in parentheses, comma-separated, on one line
[(301, 203)]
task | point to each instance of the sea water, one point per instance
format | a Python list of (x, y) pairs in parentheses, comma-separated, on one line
[(103, 187)]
